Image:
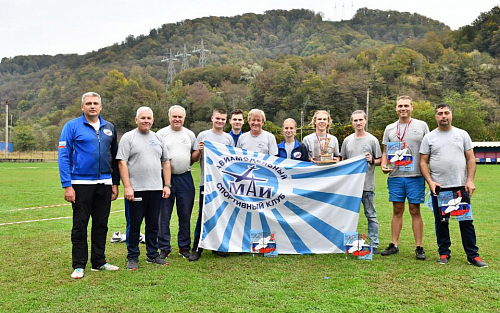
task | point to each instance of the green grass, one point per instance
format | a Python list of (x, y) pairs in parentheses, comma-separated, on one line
[(36, 264)]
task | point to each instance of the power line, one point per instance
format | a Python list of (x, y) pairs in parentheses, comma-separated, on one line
[(185, 59), (202, 61), (171, 69)]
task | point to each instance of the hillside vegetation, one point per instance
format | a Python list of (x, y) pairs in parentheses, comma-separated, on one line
[(284, 62)]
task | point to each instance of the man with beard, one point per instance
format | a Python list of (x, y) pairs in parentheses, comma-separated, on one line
[(448, 151)]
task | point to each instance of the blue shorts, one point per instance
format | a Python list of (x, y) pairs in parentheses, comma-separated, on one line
[(411, 188)]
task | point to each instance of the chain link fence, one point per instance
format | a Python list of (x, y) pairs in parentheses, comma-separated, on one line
[(28, 156)]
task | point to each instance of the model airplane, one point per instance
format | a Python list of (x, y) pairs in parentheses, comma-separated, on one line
[(399, 155), (357, 245), (245, 175)]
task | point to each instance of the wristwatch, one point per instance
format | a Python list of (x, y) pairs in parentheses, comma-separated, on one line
[(169, 186)]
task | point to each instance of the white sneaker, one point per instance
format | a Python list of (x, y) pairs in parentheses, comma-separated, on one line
[(78, 273), (105, 267), (118, 237)]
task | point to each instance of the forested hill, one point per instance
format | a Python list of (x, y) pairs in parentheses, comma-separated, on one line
[(282, 61), (248, 37), (394, 26)]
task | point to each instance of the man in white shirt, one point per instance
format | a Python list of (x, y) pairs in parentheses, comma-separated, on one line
[(181, 143)]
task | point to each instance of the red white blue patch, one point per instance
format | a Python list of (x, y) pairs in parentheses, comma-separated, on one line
[(297, 155), (108, 132), (62, 144)]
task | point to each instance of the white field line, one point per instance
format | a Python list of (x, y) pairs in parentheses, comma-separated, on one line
[(40, 207), (52, 206), (46, 219), (26, 167), (46, 206)]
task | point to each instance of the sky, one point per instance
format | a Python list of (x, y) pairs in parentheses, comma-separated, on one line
[(34, 27)]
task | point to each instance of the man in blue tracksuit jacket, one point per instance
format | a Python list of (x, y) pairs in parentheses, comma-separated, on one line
[(291, 148), (90, 178)]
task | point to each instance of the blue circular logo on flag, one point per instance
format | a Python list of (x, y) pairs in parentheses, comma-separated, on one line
[(250, 182)]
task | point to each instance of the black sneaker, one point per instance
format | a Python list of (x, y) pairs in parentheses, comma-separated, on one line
[(195, 255), (477, 262), (443, 259), (157, 260), (184, 253), (164, 254), (132, 265), (420, 253), (392, 249)]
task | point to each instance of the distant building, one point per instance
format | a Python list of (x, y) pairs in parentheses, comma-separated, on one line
[(487, 152)]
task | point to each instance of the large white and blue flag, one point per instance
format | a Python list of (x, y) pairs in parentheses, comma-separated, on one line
[(307, 207)]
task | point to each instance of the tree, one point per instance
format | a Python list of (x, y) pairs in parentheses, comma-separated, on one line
[(23, 137), (423, 110), (383, 116), (467, 114)]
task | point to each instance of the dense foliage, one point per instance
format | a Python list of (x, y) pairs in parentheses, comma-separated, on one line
[(288, 63), (483, 34)]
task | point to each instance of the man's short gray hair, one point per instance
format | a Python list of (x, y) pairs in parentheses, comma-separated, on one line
[(176, 107), (143, 109), (90, 94)]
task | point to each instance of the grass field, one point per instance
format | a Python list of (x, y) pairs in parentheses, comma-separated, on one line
[(36, 264)]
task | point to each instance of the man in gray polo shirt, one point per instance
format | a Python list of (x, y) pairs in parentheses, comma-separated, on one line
[(215, 134), (400, 158), (142, 158), (448, 151), (364, 143), (181, 143)]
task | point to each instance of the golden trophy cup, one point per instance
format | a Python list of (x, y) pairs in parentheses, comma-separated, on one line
[(326, 153)]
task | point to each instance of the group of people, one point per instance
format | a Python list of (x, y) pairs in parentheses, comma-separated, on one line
[(155, 169)]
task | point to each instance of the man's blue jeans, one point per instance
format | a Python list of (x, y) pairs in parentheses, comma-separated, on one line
[(371, 215)]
